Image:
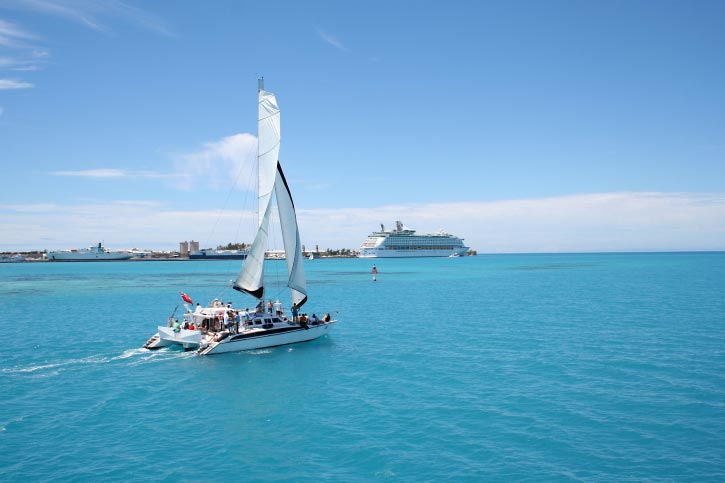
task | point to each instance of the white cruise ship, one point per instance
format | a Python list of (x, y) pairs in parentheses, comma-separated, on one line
[(91, 254), (404, 242)]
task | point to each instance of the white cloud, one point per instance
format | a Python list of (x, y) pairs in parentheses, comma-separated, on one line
[(587, 222), (7, 84), (24, 55), (90, 12), (13, 36), (112, 173), (332, 40), (219, 163), (577, 223)]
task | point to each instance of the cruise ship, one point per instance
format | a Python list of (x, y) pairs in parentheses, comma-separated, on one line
[(404, 242), (91, 254)]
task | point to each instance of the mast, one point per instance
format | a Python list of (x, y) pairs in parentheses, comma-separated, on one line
[(260, 88)]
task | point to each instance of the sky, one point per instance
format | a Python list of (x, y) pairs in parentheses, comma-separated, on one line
[(521, 126)]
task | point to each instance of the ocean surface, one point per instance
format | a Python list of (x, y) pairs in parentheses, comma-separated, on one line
[(530, 368)]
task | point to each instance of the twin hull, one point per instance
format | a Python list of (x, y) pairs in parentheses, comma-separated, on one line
[(247, 340), (264, 338)]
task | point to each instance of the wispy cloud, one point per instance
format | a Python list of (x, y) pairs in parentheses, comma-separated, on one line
[(578, 223), (330, 39), (21, 54), (218, 163), (14, 36), (94, 14), (8, 84), (113, 173)]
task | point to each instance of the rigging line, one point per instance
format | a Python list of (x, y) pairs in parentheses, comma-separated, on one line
[(269, 150), (226, 203), (250, 181), (267, 117)]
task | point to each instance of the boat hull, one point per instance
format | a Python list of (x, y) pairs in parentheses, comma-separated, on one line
[(218, 255), (87, 257), (184, 337), (377, 253), (266, 338)]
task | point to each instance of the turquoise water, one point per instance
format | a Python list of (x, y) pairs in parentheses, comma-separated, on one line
[(605, 367)]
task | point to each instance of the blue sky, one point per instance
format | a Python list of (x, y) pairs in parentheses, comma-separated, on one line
[(520, 126)]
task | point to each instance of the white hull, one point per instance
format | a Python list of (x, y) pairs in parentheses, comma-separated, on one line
[(87, 257), (377, 253), (93, 254), (260, 339), (187, 338)]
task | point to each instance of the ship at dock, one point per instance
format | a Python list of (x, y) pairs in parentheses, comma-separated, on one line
[(91, 254), (404, 242), (218, 254)]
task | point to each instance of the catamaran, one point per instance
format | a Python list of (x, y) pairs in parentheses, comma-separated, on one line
[(218, 327)]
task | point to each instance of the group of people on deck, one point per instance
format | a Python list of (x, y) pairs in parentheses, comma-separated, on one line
[(228, 318)]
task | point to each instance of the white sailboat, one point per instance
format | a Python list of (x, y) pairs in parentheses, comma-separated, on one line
[(220, 328)]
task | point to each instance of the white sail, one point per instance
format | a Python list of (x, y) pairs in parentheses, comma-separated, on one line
[(268, 133), (291, 238), (251, 276), (271, 177)]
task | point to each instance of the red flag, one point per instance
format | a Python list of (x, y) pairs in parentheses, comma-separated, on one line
[(185, 297)]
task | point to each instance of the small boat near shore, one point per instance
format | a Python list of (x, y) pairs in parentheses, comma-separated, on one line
[(12, 258), (91, 254)]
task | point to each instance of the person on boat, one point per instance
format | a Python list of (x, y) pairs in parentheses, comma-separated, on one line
[(269, 306), (294, 313), (278, 307), (191, 326), (198, 308), (314, 319), (326, 318), (177, 327)]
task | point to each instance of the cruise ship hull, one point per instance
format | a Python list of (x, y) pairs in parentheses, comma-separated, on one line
[(412, 253)]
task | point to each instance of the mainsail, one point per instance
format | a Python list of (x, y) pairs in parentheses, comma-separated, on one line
[(251, 276)]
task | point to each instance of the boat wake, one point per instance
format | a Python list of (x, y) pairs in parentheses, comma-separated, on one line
[(134, 357)]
